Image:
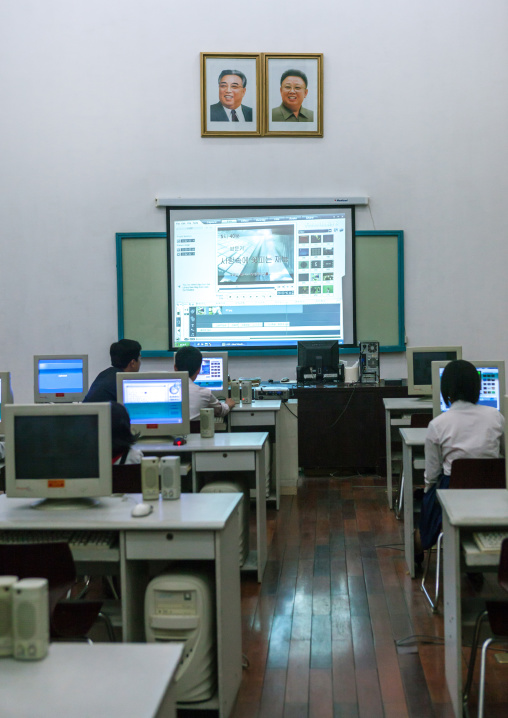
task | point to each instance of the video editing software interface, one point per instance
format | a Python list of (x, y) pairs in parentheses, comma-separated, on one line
[(153, 401), (265, 280), (489, 391), (211, 374), (60, 376)]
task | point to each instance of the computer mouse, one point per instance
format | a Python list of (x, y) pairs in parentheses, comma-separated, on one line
[(141, 510), (284, 380), (179, 441)]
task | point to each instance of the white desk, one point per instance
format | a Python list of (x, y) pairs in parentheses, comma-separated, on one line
[(227, 452), (197, 527), (398, 414), (464, 511), (106, 679), (262, 414), (411, 439)]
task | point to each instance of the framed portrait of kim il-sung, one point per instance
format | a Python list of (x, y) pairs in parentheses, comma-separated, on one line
[(230, 94), (293, 95)]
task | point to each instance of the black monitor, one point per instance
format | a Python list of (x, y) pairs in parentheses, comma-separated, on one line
[(322, 356)]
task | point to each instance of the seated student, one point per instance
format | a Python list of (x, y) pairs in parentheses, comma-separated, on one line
[(189, 359), (125, 356), (467, 430), (122, 439)]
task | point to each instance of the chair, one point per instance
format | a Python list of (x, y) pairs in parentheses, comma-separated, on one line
[(126, 478), (497, 613), (54, 561), (417, 421), (466, 474)]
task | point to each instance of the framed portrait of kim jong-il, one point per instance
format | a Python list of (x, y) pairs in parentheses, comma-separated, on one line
[(293, 95), (230, 94)]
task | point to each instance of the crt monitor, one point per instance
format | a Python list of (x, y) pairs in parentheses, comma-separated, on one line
[(492, 387), (419, 366), (5, 396), (60, 378), (321, 356), (214, 373), (157, 402), (58, 452)]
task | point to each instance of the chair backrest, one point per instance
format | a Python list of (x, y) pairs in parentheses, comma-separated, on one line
[(420, 421), (126, 478), (478, 474)]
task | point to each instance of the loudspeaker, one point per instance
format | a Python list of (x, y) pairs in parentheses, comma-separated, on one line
[(150, 478), (170, 477), (206, 423), (30, 618), (246, 392), (235, 391), (369, 362), (6, 637)]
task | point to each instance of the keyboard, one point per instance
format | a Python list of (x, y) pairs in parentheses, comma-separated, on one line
[(490, 541), (85, 545)]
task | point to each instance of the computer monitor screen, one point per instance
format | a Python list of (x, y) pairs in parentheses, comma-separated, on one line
[(157, 402), (58, 451), (214, 373), (321, 356), (262, 276), (62, 378), (5, 395), (492, 388), (419, 366)]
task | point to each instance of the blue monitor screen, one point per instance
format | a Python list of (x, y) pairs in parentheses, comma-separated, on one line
[(63, 376), (211, 374), (490, 394), (153, 401)]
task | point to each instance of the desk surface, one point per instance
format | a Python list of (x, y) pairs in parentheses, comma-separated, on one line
[(258, 405), (411, 403), (191, 511), (413, 437), (79, 680), (475, 507), (222, 441)]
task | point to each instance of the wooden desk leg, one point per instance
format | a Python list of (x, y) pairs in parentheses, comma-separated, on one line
[(389, 487), (452, 614), (261, 511), (409, 548)]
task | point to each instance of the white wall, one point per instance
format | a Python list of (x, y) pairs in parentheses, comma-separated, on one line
[(100, 114)]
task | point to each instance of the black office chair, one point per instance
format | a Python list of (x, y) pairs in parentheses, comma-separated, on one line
[(466, 474), (69, 618), (497, 614)]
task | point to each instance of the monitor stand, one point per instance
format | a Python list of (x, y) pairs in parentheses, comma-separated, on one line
[(77, 503)]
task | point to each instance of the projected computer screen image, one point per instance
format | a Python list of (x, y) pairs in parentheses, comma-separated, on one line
[(213, 374), (157, 402), (58, 451), (492, 387), (236, 279), (419, 366), (60, 378)]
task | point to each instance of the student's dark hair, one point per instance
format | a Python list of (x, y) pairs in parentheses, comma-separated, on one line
[(121, 436), (188, 359), (234, 72), (294, 73), (460, 381), (123, 352)]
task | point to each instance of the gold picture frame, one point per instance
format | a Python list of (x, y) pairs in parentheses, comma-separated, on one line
[(293, 103), (239, 112)]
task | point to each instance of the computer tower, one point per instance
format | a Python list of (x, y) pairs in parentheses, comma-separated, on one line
[(231, 487), (6, 632), (369, 362), (30, 618), (180, 608)]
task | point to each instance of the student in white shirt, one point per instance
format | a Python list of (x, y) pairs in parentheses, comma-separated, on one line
[(466, 431), (189, 359)]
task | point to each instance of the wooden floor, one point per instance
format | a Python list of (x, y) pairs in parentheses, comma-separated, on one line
[(320, 630)]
